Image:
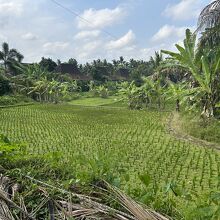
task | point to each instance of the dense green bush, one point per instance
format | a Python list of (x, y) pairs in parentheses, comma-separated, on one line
[(12, 100), (83, 85), (9, 151)]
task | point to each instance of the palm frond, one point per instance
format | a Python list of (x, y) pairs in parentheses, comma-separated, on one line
[(5, 212), (210, 16), (138, 211), (1, 55), (5, 48)]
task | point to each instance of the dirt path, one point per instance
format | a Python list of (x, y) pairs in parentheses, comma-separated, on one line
[(174, 128)]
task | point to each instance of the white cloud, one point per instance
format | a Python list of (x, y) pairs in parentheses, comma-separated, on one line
[(89, 51), (37, 39), (55, 47), (2, 37), (87, 34), (29, 36), (167, 37), (124, 41), (100, 18), (11, 7), (185, 9), (169, 32), (91, 46)]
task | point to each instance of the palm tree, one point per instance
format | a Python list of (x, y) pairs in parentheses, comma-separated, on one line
[(121, 60), (209, 24), (210, 38), (115, 63), (210, 16), (156, 60), (9, 56)]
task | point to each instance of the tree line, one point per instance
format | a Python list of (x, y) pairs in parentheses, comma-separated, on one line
[(42, 82)]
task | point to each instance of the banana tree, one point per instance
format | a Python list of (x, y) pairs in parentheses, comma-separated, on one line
[(102, 91), (139, 97), (73, 86), (204, 69), (40, 88), (178, 92), (20, 84), (54, 90), (135, 96), (66, 88), (154, 91), (31, 71)]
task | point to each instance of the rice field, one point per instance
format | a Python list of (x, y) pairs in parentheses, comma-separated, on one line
[(102, 140)]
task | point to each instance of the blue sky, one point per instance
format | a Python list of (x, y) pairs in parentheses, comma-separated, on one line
[(139, 27)]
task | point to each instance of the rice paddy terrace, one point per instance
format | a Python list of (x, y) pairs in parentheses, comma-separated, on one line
[(104, 140)]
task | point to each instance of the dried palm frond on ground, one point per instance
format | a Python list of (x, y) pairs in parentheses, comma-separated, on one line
[(7, 192), (5, 212), (138, 211), (68, 205)]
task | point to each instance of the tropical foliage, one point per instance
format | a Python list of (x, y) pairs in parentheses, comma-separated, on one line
[(204, 69)]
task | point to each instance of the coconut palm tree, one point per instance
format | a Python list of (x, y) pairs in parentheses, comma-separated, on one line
[(210, 16), (156, 60), (209, 25), (9, 56)]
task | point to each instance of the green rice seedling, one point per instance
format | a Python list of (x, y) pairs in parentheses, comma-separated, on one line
[(112, 144)]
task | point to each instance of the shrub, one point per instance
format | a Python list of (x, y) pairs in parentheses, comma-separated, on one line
[(12, 100), (8, 150)]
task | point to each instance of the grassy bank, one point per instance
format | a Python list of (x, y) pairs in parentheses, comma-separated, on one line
[(10, 100), (193, 125)]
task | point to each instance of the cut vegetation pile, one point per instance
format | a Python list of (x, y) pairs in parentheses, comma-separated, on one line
[(54, 203)]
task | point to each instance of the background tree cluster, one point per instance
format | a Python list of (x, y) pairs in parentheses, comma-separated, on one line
[(18, 77)]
